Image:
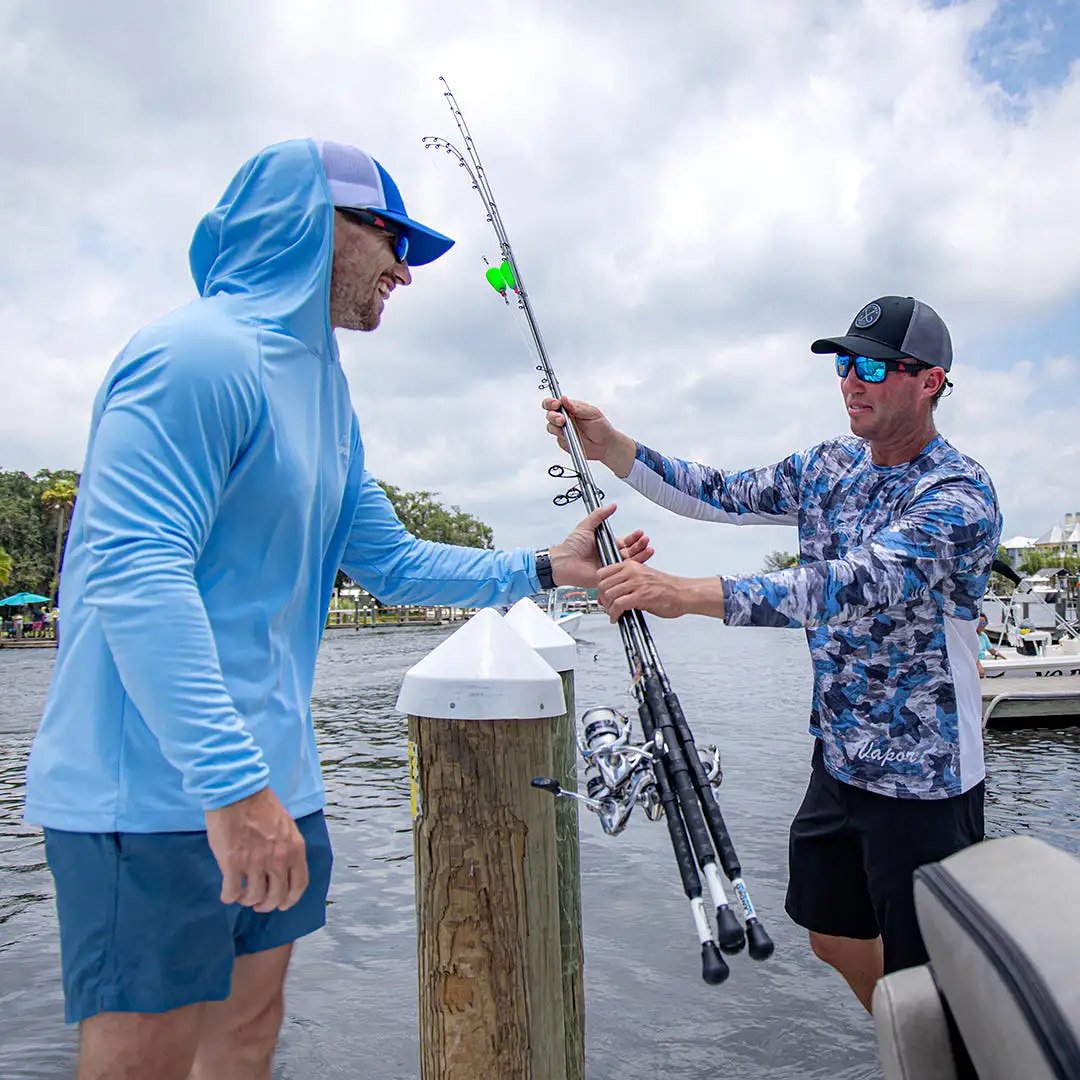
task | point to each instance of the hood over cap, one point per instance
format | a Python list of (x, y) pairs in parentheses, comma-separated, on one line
[(270, 240)]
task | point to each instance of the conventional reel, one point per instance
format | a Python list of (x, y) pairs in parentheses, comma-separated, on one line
[(619, 773)]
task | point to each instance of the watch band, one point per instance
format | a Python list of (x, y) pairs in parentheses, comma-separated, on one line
[(543, 569)]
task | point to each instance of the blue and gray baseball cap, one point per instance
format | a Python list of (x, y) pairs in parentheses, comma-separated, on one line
[(895, 328), (358, 182)]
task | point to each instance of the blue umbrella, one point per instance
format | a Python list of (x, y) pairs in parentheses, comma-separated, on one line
[(23, 598)]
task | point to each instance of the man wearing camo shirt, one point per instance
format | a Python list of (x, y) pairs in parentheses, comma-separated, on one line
[(897, 531)]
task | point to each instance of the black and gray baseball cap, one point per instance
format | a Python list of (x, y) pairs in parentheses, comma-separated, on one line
[(895, 328)]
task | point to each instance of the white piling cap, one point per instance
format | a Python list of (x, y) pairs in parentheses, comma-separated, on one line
[(484, 671), (538, 628)]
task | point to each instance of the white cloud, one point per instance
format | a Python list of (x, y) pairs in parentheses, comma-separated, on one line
[(694, 194)]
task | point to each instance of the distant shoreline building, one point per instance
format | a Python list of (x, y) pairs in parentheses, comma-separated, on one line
[(1057, 542)]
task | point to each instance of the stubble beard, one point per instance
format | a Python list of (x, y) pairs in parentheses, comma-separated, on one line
[(350, 310)]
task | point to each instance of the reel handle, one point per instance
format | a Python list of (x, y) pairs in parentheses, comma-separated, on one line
[(548, 783)]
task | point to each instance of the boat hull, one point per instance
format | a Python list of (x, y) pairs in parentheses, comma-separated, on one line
[(1018, 666)]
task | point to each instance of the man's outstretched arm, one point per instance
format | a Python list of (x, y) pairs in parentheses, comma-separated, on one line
[(950, 531), (768, 495)]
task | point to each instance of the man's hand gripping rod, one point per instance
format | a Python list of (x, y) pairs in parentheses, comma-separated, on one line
[(682, 781)]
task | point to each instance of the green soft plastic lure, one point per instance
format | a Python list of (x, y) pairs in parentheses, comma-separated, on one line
[(501, 278)]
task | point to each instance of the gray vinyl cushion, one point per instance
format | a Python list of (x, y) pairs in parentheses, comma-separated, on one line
[(1031, 891), (913, 1037)]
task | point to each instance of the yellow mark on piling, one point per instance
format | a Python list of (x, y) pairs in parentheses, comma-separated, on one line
[(414, 781)]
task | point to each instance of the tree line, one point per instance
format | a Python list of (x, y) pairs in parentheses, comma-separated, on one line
[(35, 514)]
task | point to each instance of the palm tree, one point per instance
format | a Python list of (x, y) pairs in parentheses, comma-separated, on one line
[(5, 567), (61, 498), (780, 560)]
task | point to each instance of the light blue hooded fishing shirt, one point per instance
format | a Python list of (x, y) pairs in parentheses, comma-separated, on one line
[(224, 486)]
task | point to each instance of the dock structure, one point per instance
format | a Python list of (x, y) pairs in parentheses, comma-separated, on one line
[(23, 634), (1049, 702), (359, 616)]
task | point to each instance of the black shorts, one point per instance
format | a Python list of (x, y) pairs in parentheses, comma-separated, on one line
[(852, 855)]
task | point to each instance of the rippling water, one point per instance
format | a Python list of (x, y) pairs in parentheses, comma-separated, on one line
[(352, 988)]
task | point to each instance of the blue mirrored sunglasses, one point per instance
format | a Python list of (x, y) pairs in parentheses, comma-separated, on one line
[(870, 370), (367, 217)]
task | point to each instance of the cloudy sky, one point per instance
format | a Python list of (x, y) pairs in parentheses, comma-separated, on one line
[(694, 192)]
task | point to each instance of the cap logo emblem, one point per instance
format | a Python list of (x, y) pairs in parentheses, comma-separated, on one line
[(868, 316)]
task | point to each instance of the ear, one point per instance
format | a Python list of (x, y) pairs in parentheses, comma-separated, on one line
[(932, 380)]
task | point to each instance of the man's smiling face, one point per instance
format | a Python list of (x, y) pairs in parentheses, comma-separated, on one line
[(882, 411), (365, 272)]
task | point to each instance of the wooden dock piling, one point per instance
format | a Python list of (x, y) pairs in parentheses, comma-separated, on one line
[(559, 649), (482, 708)]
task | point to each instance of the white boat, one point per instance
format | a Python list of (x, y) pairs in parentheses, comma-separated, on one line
[(1036, 657), (566, 607), (568, 621), (1029, 606), (1036, 677), (1032, 622), (1012, 703)]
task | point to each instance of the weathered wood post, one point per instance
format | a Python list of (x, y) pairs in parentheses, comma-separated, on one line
[(481, 707), (559, 649)]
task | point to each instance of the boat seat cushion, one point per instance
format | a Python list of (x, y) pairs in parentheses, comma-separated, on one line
[(912, 1031), (1000, 924)]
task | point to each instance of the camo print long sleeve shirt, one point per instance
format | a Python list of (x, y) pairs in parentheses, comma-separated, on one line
[(893, 563)]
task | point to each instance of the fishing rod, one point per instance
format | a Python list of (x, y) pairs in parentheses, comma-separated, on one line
[(666, 773)]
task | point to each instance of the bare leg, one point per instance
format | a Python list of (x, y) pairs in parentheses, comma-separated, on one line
[(860, 962), (133, 1046), (239, 1035)]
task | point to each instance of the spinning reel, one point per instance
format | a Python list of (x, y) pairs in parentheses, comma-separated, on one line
[(619, 773)]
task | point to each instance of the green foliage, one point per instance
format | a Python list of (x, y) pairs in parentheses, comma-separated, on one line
[(28, 527), (60, 496), (430, 520), (780, 560), (1033, 559), (60, 493), (5, 567)]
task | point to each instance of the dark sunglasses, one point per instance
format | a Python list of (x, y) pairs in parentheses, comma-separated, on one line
[(366, 217), (873, 371)]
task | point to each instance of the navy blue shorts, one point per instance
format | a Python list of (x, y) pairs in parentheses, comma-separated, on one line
[(142, 925)]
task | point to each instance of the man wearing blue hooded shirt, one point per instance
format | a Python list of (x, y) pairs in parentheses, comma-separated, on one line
[(175, 769)]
